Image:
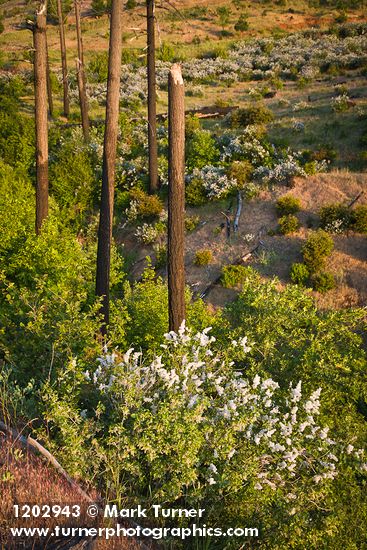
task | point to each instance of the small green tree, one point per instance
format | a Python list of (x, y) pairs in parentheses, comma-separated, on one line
[(242, 23), (224, 14)]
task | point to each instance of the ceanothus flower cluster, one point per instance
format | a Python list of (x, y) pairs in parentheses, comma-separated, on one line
[(216, 183)]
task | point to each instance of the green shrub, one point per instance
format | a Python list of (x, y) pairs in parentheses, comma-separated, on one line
[(288, 205), (242, 23), (191, 222), (335, 218), (233, 275), (241, 171), (252, 115), (130, 4), (359, 219), (203, 257), (201, 150), (323, 281), (160, 251), (99, 7), (299, 274), (316, 249), (98, 67), (192, 124), (195, 192), (147, 206), (166, 53), (288, 224), (17, 142), (72, 175)]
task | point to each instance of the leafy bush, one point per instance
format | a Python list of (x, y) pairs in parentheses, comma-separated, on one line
[(288, 205), (335, 218), (146, 304), (191, 222), (201, 150), (242, 23), (192, 125), (233, 275), (288, 224), (97, 67), (195, 192), (341, 103), (147, 206), (149, 233), (323, 281), (299, 274), (175, 418), (359, 219), (72, 175), (203, 257), (316, 249), (17, 142), (166, 52), (241, 171), (100, 7), (160, 251), (252, 115)]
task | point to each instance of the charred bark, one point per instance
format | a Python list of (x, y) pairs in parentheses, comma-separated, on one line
[(41, 112), (109, 159), (152, 108), (176, 198), (65, 84), (82, 87)]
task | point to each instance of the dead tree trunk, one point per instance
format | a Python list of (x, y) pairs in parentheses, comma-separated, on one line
[(238, 212), (65, 84), (40, 92), (176, 198), (49, 85), (109, 159), (152, 110), (81, 74)]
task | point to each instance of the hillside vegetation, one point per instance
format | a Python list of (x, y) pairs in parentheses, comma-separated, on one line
[(255, 409)]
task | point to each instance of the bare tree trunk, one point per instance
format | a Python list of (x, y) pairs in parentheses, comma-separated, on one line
[(109, 159), (81, 73), (152, 110), (65, 84), (176, 198), (49, 85), (40, 92)]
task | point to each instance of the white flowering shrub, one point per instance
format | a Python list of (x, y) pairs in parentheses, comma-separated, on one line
[(282, 173), (187, 421), (216, 182), (149, 233), (340, 103)]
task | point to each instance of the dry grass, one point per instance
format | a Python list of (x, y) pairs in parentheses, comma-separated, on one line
[(25, 478)]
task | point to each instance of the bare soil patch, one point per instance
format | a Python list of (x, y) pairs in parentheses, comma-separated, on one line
[(275, 254)]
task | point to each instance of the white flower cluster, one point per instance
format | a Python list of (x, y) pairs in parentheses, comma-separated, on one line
[(148, 233), (300, 53), (336, 226), (340, 103), (282, 173), (215, 181), (277, 427)]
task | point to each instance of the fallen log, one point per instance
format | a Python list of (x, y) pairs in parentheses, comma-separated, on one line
[(204, 112)]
